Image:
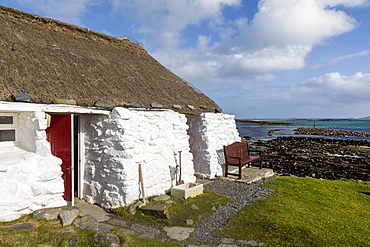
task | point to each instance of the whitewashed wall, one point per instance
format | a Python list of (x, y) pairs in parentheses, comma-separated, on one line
[(118, 143), (209, 132), (30, 177)]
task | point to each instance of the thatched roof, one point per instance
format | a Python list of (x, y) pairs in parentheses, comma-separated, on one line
[(49, 58)]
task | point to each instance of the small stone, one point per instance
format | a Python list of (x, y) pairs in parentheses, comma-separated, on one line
[(195, 207), (127, 231), (68, 231), (162, 198), (227, 240), (145, 231), (169, 202), (178, 233), (214, 208), (189, 222), (117, 222), (72, 241), (107, 238), (47, 213), (23, 226), (88, 222), (108, 226), (68, 217)]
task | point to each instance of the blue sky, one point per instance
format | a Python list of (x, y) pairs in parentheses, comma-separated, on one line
[(255, 58)]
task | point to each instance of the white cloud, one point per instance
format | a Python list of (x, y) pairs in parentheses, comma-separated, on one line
[(279, 37), (330, 95), (165, 19), (341, 58)]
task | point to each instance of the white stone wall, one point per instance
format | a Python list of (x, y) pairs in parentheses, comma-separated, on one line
[(30, 177), (118, 143), (209, 132)]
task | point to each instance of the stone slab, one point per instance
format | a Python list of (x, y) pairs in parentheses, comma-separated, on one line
[(160, 210), (178, 233), (251, 174), (94, 210)]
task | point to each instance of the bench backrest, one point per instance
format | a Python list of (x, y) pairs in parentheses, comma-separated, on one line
[(237, 149)]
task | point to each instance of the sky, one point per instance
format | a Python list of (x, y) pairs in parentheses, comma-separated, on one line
[(254, 58)]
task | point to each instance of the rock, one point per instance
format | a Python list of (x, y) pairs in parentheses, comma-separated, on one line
[(145, 231), (227, 240), (127, 231), (251, 242), (178, 233), (117, 222), (23, 226), (160, 210), (322, 158), (107, 238), (68, 231), (189, 222), (169, 202), (214, 208), (68, 217), (108, 226), (72, 241), (195, 207), (162, 198), (88, 222), (47, 213)]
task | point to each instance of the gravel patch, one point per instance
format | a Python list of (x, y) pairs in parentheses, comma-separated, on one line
[(242, 194)]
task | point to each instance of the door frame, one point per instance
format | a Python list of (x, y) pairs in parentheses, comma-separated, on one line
[(77, 154)]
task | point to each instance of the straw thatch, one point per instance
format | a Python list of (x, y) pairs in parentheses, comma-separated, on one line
[(49, 58)]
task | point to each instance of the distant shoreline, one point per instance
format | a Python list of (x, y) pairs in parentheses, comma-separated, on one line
[(262, 122)]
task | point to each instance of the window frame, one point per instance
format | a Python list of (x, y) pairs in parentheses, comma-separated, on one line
[(13, 126)]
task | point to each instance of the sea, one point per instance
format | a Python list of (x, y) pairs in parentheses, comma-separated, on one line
[(258, 131)]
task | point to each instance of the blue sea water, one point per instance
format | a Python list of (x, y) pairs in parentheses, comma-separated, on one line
[(260, 132)]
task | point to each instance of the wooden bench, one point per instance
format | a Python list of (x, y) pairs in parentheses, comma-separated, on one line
[(238, 154)]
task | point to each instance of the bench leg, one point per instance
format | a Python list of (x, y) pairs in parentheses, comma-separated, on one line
[(240, 172), (260, 164), (226, 169)]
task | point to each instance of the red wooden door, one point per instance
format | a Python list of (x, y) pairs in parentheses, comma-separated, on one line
[(59, 134)]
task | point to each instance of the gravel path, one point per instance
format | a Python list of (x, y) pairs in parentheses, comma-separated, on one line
[(241, 194)]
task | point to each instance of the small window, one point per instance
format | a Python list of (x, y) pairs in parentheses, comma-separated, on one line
[(7, 135), (8, 126), (6, 119)]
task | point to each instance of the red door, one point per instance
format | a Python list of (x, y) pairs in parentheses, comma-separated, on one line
[(59, 134)]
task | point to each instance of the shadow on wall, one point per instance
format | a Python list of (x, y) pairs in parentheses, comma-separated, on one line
[(221, 159)]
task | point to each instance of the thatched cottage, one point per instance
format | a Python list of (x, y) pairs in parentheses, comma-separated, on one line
[(80, 110)]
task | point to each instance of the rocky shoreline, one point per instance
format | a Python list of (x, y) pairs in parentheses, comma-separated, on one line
[(329, 132), (317, 157)]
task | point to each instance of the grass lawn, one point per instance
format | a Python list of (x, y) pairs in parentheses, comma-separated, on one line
[(307, 212)]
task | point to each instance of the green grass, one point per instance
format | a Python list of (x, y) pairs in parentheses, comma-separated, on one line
[(179, 211), (307, 212), (43, 232)]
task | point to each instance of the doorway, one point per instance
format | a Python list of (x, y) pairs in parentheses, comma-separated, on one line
[(66, 140)]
